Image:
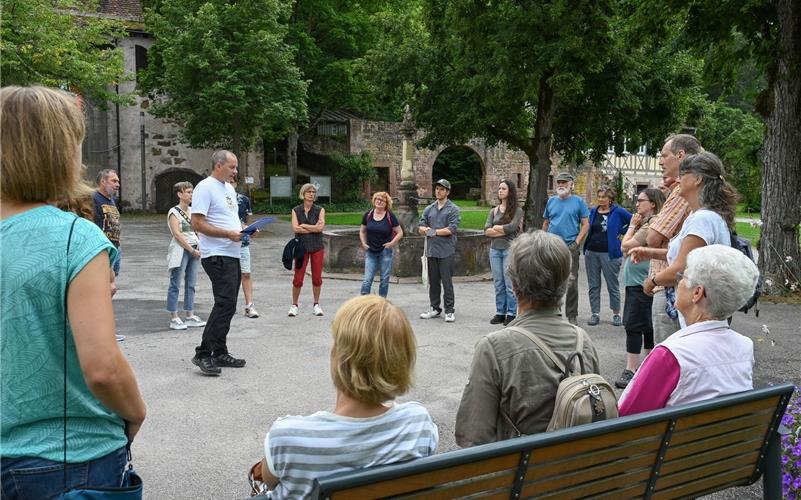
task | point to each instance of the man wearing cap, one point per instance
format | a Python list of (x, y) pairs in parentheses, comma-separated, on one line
[(566, 215), (438, 224)]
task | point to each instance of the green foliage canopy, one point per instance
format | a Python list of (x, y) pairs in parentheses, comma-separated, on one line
[(223, 70), (61, 43), (736, 136)]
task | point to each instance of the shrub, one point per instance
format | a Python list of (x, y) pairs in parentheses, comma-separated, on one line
[(353, 172), (791, 449)]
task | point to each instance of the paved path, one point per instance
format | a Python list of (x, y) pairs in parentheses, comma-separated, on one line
[(202, 434)]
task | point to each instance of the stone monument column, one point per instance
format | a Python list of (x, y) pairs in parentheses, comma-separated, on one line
[(407, 194)]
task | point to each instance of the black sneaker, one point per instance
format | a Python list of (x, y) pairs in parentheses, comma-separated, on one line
[(497, 319), (228, 361), (624, 379), (206, 365), (508, 320)]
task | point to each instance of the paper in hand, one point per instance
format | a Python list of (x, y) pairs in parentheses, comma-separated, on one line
[(257, 225)]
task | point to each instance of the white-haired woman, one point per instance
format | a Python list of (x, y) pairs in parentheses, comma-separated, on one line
[(308, 222), (705, 359), (501, 400)]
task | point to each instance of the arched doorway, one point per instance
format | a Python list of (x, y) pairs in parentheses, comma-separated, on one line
[(165, 196), (463, 168)]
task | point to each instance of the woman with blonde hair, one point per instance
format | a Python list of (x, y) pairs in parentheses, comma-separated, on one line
[(379, 233), (55, 307), (372, 363), (308, 223)]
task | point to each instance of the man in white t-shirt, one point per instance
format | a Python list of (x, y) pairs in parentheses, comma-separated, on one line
[(215, 219)]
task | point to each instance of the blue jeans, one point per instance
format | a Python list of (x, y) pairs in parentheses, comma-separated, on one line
[(188, 269), (596, 263), (115, 266), (29, 477), (372, 262), (505, 301)]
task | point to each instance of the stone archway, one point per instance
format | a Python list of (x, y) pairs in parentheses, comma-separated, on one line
[(464, 168), (165, 196)]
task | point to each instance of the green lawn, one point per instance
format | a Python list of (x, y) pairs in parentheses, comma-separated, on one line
[(475, 217)]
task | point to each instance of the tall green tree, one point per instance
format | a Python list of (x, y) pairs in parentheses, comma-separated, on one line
[(61, 43), (560, 76), (767, 34), (223, 70), (330, 38), (736, 136)]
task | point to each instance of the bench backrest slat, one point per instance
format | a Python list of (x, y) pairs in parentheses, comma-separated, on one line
[(676, 452), (467, 475)]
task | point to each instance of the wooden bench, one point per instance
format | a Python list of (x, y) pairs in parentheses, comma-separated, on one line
[(679, 452)]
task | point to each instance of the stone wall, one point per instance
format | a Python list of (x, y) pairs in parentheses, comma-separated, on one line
[(383, 141), (164, 150)]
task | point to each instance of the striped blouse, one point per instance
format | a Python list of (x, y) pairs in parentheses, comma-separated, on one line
[(301, 448)]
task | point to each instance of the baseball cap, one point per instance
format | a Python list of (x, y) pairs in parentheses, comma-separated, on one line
[(564, 176), (444, 183)]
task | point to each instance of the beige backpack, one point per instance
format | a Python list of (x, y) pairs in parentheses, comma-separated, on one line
[(580, 399)]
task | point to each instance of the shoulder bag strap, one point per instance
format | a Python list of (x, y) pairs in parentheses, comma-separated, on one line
[(579, 347), (544, 348), (183, 214), (66, 290)]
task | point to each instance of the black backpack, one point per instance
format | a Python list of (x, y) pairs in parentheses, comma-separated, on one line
[(744, 246)]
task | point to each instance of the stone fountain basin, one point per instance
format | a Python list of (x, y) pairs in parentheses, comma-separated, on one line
[(343, 253)]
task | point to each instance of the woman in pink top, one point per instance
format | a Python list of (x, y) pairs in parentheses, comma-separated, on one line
[(706, 359)]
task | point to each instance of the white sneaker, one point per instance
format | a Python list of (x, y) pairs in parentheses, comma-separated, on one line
[(450, 317), (250, 311), (193, 321), (293, 310), (431, 313), (177, 324), (318, 311)]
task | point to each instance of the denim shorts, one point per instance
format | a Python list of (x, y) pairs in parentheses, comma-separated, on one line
[(244, 259)]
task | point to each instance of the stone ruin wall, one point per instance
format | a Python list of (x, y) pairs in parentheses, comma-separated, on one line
[(383, 141)]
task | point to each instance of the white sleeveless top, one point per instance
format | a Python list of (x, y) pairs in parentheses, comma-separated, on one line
[(714, 361)]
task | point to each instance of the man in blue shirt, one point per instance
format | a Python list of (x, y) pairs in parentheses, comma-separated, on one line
[(566, 215), (107, 218)]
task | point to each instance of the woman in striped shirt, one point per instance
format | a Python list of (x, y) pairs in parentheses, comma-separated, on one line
[(372, 363)]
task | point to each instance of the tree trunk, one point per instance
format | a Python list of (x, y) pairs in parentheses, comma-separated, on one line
[(292, 154), (779, 256), (236, 136), (539, 156)]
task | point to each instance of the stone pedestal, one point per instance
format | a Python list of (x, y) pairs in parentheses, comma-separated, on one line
[(407, 208)]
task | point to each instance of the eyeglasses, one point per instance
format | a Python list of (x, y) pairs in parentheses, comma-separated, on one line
[(642, 199)]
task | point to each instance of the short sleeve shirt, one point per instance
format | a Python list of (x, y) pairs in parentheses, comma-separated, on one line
[(668, 223), (243, 211), (379, 232), (707, 225), (564, 216), (217, 201), (107, 217), (36, 271), (299, 449)]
